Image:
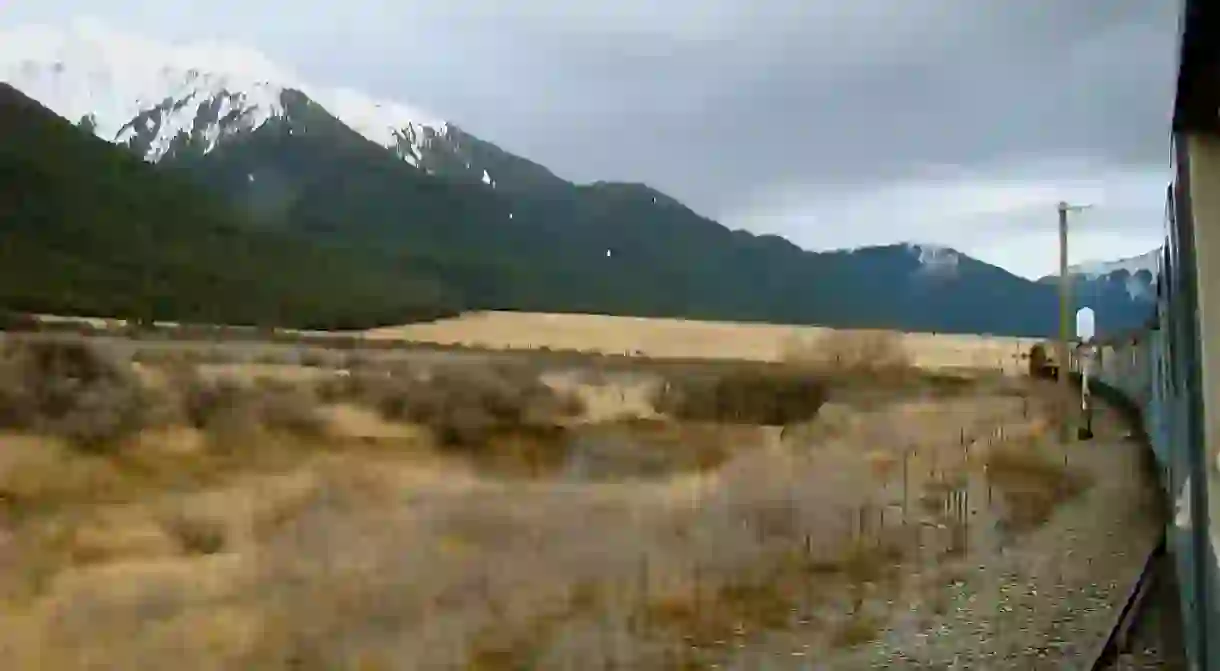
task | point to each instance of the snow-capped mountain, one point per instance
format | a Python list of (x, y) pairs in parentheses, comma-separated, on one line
[(1148, 261), (935, 260), (1136, 276), (932, 260), (259, 138), (159, 98)]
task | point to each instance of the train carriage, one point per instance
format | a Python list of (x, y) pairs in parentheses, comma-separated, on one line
[(1171, 369)]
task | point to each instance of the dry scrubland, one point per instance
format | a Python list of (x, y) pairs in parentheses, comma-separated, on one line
[(838, 506)]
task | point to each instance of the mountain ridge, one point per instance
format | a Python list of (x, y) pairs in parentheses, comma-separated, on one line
[(1134, 275), (1148, 261), (502, 231), (92, 230), (90, 68)]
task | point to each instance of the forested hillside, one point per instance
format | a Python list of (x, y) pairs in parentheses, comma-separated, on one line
[(90, 229)]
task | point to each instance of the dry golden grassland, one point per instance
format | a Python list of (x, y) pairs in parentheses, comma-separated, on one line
[(677, 338), (504, 514)]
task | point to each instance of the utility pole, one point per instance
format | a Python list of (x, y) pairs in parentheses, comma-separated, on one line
[(1065, 319)]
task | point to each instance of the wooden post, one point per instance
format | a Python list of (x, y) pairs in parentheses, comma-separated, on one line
[(1065, 302)]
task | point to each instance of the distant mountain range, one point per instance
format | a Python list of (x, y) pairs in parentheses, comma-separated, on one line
[(1115, 287), (365, 212), (1136, 275)]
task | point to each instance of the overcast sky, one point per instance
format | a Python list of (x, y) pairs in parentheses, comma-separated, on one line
[(836, 123)]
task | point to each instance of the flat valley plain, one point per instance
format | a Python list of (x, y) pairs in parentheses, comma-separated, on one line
[(677, 338), (801, 498)]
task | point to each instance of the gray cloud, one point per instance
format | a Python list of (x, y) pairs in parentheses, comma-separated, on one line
[(726, 103)]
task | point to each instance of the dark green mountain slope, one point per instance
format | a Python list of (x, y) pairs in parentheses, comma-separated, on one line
[(88, 229), (466, 158), (542, 244)]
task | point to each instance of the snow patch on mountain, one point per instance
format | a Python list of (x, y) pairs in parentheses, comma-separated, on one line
[(208, 114), (1136, 288), (935, 259), (1128, 270), (389, 124), (1149, 261), (132, 87), (91, 70)]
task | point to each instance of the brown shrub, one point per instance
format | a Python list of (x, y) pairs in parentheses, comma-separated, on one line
[(358, 361), (1031, 482), (857, 629), (745, 396), (336, 389), (1039, 361), (867, 353), (70, 389), (195, 535), (227, 407), (362, 386), (216, 354), (272, 358), (289, 408), (167, 358), (464, 405), (313, 358), (468, 405)]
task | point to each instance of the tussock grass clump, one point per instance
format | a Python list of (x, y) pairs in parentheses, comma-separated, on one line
[(228, 407), (1032, 483), (312, 358), (464, 406), (857, 629), (744, 396), (1039, 362), (869, 354), (72, 390), (195, 534), (272, 359)]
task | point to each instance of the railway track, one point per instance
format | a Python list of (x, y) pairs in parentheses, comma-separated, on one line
[(1107, 652)]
